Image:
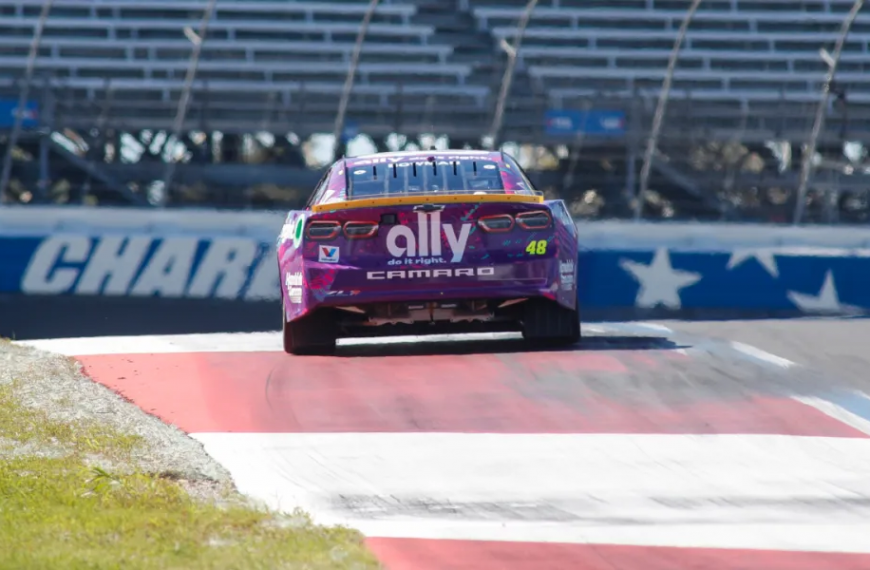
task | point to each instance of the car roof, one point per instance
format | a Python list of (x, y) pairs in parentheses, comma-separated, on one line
[(455, 154), (335, 189)]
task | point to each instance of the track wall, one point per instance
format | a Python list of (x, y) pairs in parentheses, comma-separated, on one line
[(78, 272)]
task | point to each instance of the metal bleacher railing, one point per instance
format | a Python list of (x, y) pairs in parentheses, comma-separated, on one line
[(254, 49), (249, 42), (746, 71), (727, 55), (726, 51)]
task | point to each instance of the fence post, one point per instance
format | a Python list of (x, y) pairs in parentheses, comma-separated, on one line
[(346, 91), (22, 98), (47, 120), (507, 80), (633, 130), (184, 100), (652, 142), (576, 149), (810, 150)]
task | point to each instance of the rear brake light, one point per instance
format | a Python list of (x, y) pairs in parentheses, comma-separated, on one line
[(360, 230), (534, 220), (496, 224), (322, 231)]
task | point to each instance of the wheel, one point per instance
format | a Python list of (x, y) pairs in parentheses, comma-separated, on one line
[(548, 323), (315, 333)]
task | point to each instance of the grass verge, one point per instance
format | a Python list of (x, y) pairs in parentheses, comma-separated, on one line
[(61, 507)]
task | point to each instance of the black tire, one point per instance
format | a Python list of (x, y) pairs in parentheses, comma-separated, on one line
[(548, 323), (315, 333)]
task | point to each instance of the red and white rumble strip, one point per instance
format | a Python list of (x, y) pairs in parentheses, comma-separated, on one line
[(506, 460)]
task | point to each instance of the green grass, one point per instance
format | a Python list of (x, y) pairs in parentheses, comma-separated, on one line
[(59, 511)]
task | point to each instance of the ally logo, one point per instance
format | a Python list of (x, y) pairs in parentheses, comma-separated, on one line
[(427, 242), (327, 254)]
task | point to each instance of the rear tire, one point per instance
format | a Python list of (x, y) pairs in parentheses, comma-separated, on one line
[(315, 333), (547, 323)]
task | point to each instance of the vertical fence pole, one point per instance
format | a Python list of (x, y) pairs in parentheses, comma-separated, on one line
[(24, 92), (184, 100), (338, 130), (102, 121), (46, 118), (810, 150), (577, 148), (507, 80), (652, 142)]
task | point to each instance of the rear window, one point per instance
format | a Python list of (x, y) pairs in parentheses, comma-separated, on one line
[(423, 177)]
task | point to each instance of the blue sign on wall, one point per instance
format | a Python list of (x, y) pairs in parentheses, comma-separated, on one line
[(245, 268), (592, 122), (7, 113)]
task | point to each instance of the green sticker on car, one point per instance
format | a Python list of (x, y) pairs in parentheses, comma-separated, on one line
[(297, 237)]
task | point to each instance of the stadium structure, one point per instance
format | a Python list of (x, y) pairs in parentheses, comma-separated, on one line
[(105, 86)]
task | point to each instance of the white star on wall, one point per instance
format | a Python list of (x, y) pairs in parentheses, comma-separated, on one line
[(765, 257), (827, 301), (660, 283)]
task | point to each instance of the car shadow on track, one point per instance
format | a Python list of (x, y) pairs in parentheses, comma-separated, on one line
[(591, 343)]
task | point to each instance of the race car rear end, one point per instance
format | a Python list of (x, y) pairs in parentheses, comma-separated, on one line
[(431, 263)]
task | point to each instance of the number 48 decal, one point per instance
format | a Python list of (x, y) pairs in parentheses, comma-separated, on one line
[(537, 247)]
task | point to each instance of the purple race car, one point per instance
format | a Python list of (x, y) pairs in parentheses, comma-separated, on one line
[(427, 242)]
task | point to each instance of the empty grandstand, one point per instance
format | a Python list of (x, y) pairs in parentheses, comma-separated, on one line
[(745, 91)]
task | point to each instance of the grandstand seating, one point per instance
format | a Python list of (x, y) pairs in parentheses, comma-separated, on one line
[(736, 50), (258, 55), (282, 64)]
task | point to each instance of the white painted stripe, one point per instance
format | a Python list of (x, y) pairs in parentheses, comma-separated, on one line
[(160, 344), (655, 327), (219, 342), (223, 342), (820, 537), (229, 342), (727, 491), (837, 412), (638, 328), (763, 355)]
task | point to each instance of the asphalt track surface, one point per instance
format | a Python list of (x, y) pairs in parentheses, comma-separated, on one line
[(837, 348), (721, 445)]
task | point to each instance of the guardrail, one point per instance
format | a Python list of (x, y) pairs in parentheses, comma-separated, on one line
[(626, 269)]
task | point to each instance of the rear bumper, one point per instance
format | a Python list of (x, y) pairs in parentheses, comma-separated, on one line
[(332, 286)]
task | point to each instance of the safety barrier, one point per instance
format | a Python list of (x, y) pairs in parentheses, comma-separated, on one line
[(624, 267)]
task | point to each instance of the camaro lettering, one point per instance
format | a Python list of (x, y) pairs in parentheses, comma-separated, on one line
[(427, 241), (426, 273)]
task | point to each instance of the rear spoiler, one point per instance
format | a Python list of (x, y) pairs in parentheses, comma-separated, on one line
[(537, 198)]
